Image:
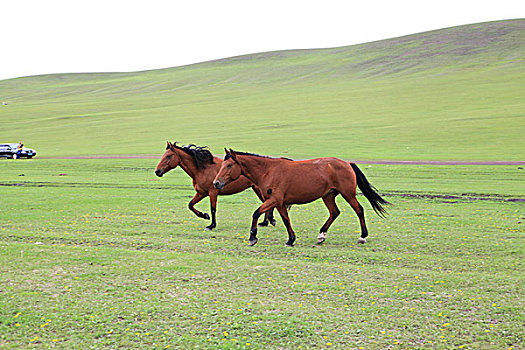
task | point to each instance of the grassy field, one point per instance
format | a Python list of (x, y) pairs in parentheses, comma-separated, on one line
[(102, 254), (450, 94)]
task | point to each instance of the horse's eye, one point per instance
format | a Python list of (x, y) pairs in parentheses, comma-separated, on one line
[(228, 166), (168, 156)]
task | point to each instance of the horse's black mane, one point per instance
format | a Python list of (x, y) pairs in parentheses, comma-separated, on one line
[(253, 154), (200, 154)]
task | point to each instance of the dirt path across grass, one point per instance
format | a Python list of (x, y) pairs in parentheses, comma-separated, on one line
[(393, 162)]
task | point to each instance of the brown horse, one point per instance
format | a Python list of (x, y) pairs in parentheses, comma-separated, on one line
[(202, 166), (284, 182)]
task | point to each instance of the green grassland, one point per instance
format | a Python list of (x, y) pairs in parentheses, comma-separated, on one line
[(450, 94), (102, 254)]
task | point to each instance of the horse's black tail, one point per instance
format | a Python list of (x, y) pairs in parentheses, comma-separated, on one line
[(369, 192)]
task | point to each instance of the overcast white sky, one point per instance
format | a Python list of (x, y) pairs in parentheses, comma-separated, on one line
[(66, 36)]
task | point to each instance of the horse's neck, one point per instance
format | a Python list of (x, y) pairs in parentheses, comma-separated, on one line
[(255, 168), (187, 164)]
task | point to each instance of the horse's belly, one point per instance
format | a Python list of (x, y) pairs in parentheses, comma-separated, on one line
[(302, 198), (301, 201)]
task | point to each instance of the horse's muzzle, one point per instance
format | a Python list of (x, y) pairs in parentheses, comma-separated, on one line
[(159, 172), (218, 184)]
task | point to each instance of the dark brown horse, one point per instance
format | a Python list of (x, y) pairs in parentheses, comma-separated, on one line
[(284, 182), (202, 166)]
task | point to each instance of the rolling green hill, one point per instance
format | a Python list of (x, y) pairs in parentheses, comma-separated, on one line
[(450, 94)]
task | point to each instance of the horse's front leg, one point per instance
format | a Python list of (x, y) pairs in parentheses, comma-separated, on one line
[(196, 199), (213, 209), (268, 216), (267, 205)]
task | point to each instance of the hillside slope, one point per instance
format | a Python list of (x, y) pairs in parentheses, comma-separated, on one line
[(450, 94)]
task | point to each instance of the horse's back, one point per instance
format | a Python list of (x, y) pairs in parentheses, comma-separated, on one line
[(328, 166)]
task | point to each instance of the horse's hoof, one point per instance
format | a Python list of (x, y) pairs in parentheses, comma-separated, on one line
[(206, 216), (253, 242), (361, 240), (264, 223), (321, 238), (273, 222), (208, 228), (288, 244)]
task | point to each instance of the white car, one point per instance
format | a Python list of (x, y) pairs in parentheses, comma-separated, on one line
[(10, 150)]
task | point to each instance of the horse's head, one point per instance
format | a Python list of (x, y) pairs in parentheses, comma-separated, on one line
[(230, 170), (170, 160)]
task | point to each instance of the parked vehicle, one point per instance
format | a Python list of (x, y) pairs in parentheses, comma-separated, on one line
[(10, 150)]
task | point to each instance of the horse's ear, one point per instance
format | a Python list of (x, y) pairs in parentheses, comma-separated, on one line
[(168, 145), (233, 155), (228, 154)]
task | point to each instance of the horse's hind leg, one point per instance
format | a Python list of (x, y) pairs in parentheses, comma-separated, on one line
[(268, 219), (329, 201), (286, 220), (352, 200)]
